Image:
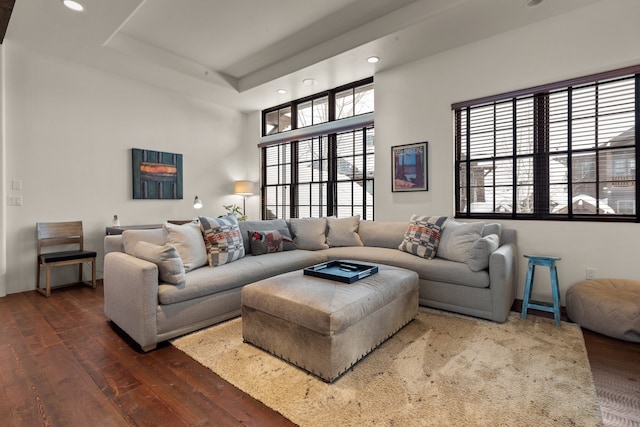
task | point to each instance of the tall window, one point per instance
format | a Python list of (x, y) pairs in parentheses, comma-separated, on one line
[(318, 155), (560, 151)]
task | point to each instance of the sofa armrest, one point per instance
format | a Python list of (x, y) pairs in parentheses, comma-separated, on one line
[(503, 274), (131, 296), (113, 244)]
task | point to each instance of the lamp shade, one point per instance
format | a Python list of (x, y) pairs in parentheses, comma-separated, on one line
[(244, 188), (197, 204)]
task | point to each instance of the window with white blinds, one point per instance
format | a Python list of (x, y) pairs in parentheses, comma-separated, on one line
[(318, 155), (560, 151)]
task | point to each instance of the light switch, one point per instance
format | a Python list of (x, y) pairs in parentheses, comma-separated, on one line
[(15, 200), (16, 184)]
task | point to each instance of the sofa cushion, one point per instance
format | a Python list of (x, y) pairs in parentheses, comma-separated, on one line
[(481, 250), (245, 226), (222, 239), (187, 239), (457, 238), (343, 231), (130, 238), (436, 269), (423, 235), (269, 241), (207, 281), (167, 258), (383, 234), (309, 233)]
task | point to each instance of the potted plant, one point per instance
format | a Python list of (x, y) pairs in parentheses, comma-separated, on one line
[(234, 210)]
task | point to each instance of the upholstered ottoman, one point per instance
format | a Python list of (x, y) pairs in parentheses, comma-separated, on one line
[(323, 326), (608, 306)]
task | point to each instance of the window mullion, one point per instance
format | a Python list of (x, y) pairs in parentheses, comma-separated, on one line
[(468, 162), (514, 153), (541, 156), (597, 145), (363, 188), (570, 152), (637, 138), (293, 188), (332, 185)]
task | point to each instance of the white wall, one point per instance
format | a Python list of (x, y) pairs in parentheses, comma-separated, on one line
[(3, 169), (413, 103), (70, 130)]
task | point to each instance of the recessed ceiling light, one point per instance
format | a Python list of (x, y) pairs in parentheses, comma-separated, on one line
[(532, 3), (73, 5), (309, 82), (281, 91), (373, 59)]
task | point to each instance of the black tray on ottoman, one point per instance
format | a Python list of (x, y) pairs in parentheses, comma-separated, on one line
[(341, 271)]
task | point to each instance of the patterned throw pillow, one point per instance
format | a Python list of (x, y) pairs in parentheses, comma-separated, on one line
[(423, 235), (266, 242), (223, 239)]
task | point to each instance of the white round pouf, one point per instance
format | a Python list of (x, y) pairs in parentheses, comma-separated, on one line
[(607, 306)]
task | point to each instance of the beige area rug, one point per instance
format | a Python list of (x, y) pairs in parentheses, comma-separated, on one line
[(439, 370)]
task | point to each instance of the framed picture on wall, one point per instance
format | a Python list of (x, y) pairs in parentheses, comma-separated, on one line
[(409, 167), (156, 174)]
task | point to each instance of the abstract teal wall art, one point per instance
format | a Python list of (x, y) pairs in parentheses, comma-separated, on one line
[(156, 175)]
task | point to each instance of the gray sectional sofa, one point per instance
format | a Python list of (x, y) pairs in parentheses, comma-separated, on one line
[(144, 299)]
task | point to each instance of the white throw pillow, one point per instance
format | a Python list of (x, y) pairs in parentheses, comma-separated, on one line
[(188, 240), (343, 231), (309, 233), (167, 258), (457, 238), (481, 250)]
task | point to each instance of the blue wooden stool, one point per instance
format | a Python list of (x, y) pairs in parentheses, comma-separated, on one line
[(527, 303)]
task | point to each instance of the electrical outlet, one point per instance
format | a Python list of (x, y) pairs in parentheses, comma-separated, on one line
[(591, 273)]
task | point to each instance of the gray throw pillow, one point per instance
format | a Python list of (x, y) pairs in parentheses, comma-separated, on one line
[(382, 234), (343, 231), (309, 233), (457, 238), (492, 228), (130, 238), (188, 240), (167, 258), (481, 250)]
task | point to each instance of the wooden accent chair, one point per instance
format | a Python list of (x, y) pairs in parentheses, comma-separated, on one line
[(57, 234)]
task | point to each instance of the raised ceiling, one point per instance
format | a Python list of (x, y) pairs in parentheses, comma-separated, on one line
[(238, 53)]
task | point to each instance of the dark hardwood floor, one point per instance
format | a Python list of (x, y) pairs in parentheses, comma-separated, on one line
[(63, 364)]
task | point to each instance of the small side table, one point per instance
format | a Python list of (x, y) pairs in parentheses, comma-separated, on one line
[(527, 303)]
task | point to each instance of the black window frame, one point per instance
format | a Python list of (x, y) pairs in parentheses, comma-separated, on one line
[(293, 182), (542, 181)]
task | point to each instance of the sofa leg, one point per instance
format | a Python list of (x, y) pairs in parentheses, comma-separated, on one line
[(149, 347)]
